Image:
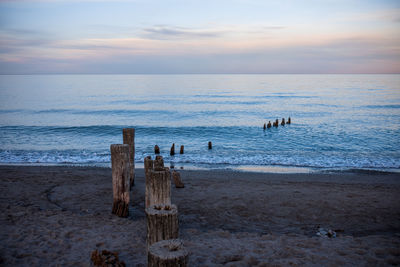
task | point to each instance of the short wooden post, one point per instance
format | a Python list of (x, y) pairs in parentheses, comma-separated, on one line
[(289, 121), (148, 165), (181, 151), (209, 145), (168, 253), (158, 164), (129, 139), (176, 176), (156, 149), (106, 258), (172, 152), (265, 126), (283, 122), (269, 124), (158, 188), (162, 223), (120, 179)]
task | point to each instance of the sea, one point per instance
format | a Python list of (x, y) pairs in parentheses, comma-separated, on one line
[(338, 122)]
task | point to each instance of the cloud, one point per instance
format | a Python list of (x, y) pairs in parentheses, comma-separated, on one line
[(388, 15), (16, 43), (64, 1), (211, 49), (20, 31), (345, 55), (167, 32), (163, 32), (273, 27)]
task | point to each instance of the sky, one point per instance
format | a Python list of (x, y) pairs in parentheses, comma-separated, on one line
[(185, 36)]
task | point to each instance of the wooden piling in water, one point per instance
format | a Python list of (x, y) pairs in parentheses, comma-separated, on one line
[(181, 151), (209, 145), (283, 122), (172, 151), (156, 149), (120, 179), (129, 139)]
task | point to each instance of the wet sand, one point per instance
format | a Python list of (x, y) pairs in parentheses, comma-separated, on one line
[(56, 216)]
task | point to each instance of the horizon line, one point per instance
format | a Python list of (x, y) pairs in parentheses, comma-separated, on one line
[(294, 73)]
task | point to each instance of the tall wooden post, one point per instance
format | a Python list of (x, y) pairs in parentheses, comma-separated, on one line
[(156, 149), (162, 223), (209, 145), (158, 188), (120, 179), (182, 150), (172, 151), (129, 138), (168, 253)]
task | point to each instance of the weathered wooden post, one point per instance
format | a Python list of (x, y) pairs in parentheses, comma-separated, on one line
[(158, 164), (176, 176), (289, 121), (276, 123), (283, 122), (120, 179), (106, 258), (148, 165), (162, 223), (269, 124), (209, 145), (181, 151), (129, 139), (158, 188), (156, 149), (265, 126), (168, 253), (172, 151)]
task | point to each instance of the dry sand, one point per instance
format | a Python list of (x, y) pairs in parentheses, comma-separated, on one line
[(56, 216)]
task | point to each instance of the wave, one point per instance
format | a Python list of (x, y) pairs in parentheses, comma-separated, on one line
[(105, 111), (381, 106), (87, 130), (273, 95), (127, 112), (53, 157), (170, 111), (5, 111), (209, 159)]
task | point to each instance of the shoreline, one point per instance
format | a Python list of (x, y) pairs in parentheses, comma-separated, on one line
[(57, 215), (266, 169)]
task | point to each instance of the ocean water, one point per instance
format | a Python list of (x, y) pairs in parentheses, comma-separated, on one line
[(339, 122)]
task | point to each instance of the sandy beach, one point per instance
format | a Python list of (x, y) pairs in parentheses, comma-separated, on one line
[(56, 216)]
